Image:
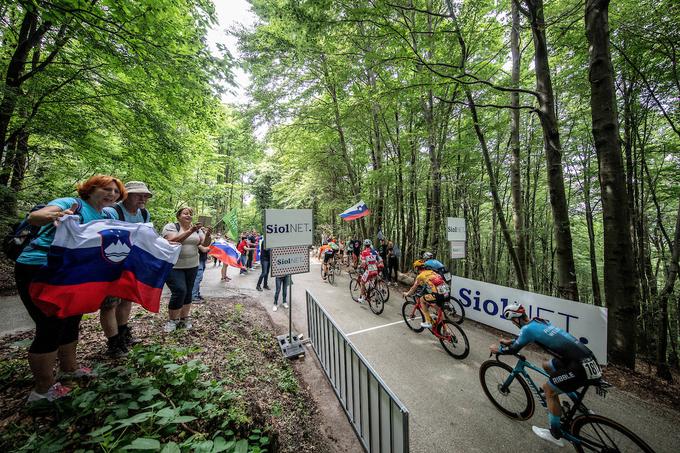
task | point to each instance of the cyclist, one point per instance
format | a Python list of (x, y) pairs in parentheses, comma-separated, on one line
[(369, 264), (429, 287), (327, 251), (573, 365)]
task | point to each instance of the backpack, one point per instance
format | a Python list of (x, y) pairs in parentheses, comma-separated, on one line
[(23, 233), (121, 214)]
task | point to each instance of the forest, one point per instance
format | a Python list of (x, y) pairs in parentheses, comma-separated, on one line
[(552, 127)]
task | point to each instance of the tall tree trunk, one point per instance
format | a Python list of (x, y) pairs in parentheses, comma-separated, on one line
[(515, 178), (662, 369), (594, 277), (566, 269), (619, 270)]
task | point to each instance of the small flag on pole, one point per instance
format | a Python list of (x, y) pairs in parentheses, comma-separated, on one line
[(231, 221), (357, 211)]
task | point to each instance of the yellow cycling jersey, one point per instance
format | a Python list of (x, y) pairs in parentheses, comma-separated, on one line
[(432, 280)]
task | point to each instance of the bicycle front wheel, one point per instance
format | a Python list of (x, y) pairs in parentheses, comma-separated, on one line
[(511, 396), (384, 289), (453, 340), (597, 433), (454, 310), (413, 317), (376, 301), (354, 288)]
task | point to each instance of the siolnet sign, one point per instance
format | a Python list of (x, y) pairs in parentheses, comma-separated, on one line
[(287, 227), (485, 302)]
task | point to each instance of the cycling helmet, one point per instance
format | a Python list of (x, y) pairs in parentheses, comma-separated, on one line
[(427, 256), (417, 264), (367, 243), (514, 310)]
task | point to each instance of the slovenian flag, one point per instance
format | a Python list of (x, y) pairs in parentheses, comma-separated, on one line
[(86, 263), (357, 211), (226, 253)]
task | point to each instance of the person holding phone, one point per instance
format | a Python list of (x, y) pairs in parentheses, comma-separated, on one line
[(183, 274)]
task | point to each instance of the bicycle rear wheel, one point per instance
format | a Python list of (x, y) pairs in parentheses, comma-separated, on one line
[(354, 288), (454, 311), (413, 317), (384, 289), (597, 433), (454, 341), (375, 300), (513, 399), (331, 275)]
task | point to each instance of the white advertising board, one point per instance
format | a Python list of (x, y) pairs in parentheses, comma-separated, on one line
[(455, 229), (457, 249), (287, 227), (290, 260), (485, 302)]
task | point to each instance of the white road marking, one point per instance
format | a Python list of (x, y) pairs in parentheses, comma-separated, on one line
[(373, 328)]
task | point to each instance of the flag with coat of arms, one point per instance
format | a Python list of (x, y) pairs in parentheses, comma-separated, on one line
[(88, 262), (357, 211)]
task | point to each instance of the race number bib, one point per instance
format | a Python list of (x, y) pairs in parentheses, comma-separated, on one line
[(592, 369), (372, 268), (443, 289)]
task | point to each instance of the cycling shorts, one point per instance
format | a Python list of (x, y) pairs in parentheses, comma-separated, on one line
[(366, 276), (327, 257), (434, 298), (570, 376)]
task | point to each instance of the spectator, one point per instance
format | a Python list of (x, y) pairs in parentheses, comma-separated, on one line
[(281, 282), (202, 260), (383, 255), (53, 336), (265, 260), (356, 250), (393, 254), (252, 243), (115, 313), (216, 262), (243, 249), (183, 275)]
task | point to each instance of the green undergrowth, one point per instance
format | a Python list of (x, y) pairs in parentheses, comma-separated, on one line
[(157, 401)]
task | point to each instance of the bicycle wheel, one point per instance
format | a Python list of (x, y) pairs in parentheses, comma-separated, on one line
[(384, 289), (597, 433), (515, 400), (331, 276), (454, 341), (375, 300), (413, 317), (454, 311), (354, 289)]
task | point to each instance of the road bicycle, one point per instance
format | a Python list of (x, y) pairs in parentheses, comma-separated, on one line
[(450, 335), (510, 390), (374, 296)]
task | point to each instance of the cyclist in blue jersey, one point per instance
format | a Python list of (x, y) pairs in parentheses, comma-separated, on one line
[(573, 365)]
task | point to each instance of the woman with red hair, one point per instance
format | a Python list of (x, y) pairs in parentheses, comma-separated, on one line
[(55, 337)]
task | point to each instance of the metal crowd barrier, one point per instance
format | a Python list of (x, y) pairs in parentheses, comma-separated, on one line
[(376, 414)]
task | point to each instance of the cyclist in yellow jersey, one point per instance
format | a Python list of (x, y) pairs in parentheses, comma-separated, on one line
[(429, 287)]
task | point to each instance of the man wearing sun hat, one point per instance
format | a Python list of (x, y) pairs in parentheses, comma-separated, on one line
[(115, 313)]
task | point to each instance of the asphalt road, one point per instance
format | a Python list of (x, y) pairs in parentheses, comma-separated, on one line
[(452, 414)]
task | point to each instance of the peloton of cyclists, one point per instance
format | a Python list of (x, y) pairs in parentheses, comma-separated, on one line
[(429, 287), (573, 365)]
